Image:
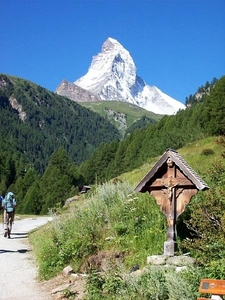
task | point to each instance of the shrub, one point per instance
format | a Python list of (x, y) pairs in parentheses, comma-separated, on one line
[(155, 283), (206, 225), (207, 152)]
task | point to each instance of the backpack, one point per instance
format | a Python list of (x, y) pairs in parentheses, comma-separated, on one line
[(9, 202)]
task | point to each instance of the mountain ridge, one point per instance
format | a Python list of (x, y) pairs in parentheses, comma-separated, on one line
[(74, 92), (112, 75)]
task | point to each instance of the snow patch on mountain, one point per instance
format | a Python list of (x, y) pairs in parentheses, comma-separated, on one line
[(112, 75)]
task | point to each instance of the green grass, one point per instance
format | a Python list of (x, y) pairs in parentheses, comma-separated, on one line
[(191, 153), (133, 111)]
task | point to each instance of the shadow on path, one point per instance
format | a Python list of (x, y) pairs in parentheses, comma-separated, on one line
[(15, 235), (19, 235), (20, 251)]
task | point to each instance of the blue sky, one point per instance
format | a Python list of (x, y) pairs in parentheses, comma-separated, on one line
[(177, 45)]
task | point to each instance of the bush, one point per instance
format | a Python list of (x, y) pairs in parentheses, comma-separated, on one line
[(207, 152), (155, 283), (206, 225)]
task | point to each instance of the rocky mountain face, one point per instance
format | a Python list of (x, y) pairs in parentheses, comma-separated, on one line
[(76, 93), (112, 76)]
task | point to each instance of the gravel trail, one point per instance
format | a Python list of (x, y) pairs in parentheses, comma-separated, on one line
[(18, 272)]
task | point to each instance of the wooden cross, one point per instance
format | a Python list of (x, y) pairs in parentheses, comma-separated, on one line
[(172, 183), (172, 192)]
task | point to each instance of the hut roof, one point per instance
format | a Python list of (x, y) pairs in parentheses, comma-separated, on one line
[(180, 163)]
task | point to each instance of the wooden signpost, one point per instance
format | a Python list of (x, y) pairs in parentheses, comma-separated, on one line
[(172, 183)]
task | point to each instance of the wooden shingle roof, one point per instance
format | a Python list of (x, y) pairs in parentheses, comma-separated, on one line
[(180, 163)]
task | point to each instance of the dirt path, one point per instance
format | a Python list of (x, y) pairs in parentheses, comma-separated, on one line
[(17, 268)]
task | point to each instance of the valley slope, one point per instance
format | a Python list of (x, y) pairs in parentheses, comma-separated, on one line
[(35, 122)]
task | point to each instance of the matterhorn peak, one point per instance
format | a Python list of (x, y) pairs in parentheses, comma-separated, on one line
[(111, 45), (112, 76)]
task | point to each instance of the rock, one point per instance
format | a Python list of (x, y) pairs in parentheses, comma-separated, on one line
[(72, 199), (102, 261), (60, 288), (177, 261), (67, 271), (157, 259), (180, 261)]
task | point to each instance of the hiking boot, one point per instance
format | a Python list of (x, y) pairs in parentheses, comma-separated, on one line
[(5, 234)]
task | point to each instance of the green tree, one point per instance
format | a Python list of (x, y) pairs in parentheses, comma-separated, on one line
[(58, 180), (215, 109), (205, 220), (32, 202), (22, 186)]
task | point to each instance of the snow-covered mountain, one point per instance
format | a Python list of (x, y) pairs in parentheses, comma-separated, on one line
[(112, 76)]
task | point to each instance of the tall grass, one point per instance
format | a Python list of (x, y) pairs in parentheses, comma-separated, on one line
[(113, 217)]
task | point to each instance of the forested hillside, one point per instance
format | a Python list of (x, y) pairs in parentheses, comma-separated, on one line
[(49, 131), (201, 119), (35, 122), (201, 93)]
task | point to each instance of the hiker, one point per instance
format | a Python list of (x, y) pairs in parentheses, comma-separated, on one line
[(1, 198), (8, 204)]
